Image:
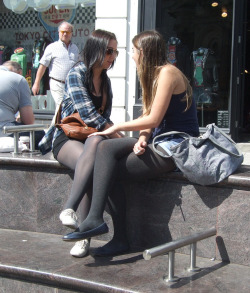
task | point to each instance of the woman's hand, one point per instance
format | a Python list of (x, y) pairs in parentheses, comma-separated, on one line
[(140, 147), (110, 132)]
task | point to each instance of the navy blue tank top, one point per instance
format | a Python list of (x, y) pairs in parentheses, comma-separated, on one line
[(177, 119)]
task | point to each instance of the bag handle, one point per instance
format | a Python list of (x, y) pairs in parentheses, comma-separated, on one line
[(214, 141), (182, 134), (187, 136), (100, 110), (104, 101), (58, 115), (73, 117)]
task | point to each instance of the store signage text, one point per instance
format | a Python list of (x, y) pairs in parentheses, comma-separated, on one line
[(20, 36), (55, 16), (51, 18)]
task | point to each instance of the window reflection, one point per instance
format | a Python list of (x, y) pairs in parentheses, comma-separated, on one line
[(199, 43)]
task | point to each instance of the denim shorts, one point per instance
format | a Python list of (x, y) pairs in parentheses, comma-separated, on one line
[(165, 143)]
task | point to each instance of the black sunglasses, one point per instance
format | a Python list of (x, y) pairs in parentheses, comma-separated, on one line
[(111, 51)]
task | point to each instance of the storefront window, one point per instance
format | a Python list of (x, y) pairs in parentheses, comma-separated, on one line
[(24, 37), (199, 36)]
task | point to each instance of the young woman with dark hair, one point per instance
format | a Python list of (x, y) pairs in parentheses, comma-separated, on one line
[(87, 91), (167, 106)]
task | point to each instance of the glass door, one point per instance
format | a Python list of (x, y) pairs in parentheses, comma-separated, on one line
[(198, 35), (242, 133)]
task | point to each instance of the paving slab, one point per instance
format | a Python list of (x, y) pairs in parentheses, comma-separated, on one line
[(44, 259)]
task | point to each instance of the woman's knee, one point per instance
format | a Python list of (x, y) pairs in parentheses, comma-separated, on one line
[(104, 144), (70, 153), (94, 140)]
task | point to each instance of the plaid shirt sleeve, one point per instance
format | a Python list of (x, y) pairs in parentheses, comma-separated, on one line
[(77, 98), (45, 145)]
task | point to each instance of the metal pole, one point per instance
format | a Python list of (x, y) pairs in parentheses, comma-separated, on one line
[(171, 277), (193, 267), (32, 141), (16, 138), (175, 244)]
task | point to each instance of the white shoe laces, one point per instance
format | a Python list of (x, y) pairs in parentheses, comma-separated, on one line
[(82, 243), (69, 212)]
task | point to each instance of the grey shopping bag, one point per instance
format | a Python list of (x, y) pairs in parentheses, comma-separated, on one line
[(207, 159)]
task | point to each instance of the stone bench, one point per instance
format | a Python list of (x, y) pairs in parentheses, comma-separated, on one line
[(35, 187)]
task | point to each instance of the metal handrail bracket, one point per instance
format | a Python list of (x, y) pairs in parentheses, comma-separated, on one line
[(170, 248), (16, 129)]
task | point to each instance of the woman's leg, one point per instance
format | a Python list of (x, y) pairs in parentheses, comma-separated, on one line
[(70, 158), (105, 173), (81, 248), (75, 154), (117, 207), (115, 160), (84, 205), (79, 157)]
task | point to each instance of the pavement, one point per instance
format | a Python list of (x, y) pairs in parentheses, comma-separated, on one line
[(245, 149), (44, 259)]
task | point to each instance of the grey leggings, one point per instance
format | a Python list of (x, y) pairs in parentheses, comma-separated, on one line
[(115, 161), (80, 157)]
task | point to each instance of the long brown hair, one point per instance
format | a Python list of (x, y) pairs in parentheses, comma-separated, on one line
[(94, 53), (149, 66)]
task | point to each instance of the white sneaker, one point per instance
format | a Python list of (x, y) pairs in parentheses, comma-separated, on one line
[(69, 218), (81, 248)]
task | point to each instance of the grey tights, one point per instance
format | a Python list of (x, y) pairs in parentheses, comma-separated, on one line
[(115, 161), (80, 157)]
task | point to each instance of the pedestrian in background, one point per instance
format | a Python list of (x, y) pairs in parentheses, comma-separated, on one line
[(59, 57)]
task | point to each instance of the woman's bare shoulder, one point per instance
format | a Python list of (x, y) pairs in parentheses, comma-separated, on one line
[(169, 69), (174, 76)]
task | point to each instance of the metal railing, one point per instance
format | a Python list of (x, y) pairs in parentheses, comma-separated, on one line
[(16, 129), (170, 248)]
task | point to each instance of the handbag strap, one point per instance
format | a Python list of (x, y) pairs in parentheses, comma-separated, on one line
[(182, 134), (214, 141), (58, 115), (104, 101)]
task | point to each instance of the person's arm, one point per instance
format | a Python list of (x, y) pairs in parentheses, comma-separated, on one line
[(26, 115), (77, 92), (166, 84), (140, 146), (39, 75), (25, 105), (114, 135)]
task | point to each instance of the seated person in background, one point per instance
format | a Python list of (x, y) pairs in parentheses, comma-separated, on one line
[(15, 96)]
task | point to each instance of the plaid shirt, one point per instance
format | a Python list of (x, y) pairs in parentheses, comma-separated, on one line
[(77, 99)]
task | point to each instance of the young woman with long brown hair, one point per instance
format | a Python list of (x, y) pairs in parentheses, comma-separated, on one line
[(87, 91)]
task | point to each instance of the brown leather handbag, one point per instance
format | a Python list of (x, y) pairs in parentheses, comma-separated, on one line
[(73, 126)]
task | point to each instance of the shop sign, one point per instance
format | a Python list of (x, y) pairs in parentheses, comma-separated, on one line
[(51, 18), (223, 119)]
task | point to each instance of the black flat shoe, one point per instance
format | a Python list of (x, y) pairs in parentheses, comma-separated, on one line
[(74, 236), (110, 251)]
